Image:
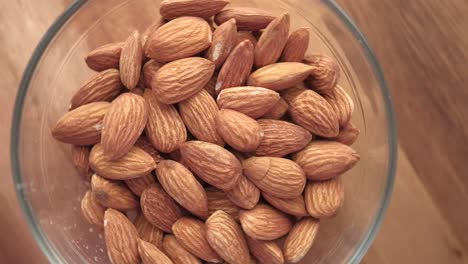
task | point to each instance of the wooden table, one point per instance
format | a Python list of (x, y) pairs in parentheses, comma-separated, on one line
[(422, 46)]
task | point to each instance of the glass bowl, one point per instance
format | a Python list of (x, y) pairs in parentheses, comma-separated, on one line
[(49, 189)]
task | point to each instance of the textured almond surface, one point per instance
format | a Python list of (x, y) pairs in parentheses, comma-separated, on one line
[(136, 163), (148, 232), (164, 129), (177, 253), (149, 70), (239, 130), (138, 185), (181, 79), (104, 57), (325, 75), (324, 198), (150, 254), (296, 46), (245, 194), (263, 222), (247, 18), (277, 111), (121, 238), (279, 177), (322, 160), (246, 35), (159, 208), (237, 67), (280, 76), (252, 101), (182, 186), (123, 124), (341, 103), (171, 9), (212, 163), (266, 251), (348, 134), (271, 43), (148, 32), (210, 86), (191, 234), (218, 200), (179, 38), (300, 239), (224, 40), (294, 206), (112, 194), (199, 115), (226, 238), (104, 86), (145, 145), (92, 210), (80, 159), (130, 60), (281, 138), (81, 126)]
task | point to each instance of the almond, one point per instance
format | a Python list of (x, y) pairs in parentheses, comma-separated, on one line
[(138, 185), (237, 67), (226, 238), (294, 206), (218, 200), (210, 86), (149, 31), (150, 254), (136, 163), (348, 134), (182, 186), (224, 40), (181, 79), (81, 126), (238, 130), (291, 93), (246, 35), (112, 194), (165, 128), (281, 138), (252, 101), (104, 57), (277, 111), (245, 194), (177, 253), (300, 239), (121, 238), (212, 163), (159, 208), (80, 158), (104, 86), (324, 198), (123, 124), (266, 251), (130, 60), (171, 9), (149, 70), (145, 145), (271, 43), (191, 233), (341, 103), (279, 177), (296, 46), (179, 38), (247, 18), (323, 160), (92, 211), (280, 76), (263, 222), (325, 75), (199, 115), (314, 113), (148, 232)]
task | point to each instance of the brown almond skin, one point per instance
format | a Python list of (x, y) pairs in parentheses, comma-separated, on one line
[(182, 186), (112, 195), (263, 222), (237, 67), (226, 238), (245, 194), (179, 38), (159, 208), (150, 254), (324, 198), (149, 70), (271, 43), (280, 76), (281, 138), (170, 9), (121, 238), (325, 75), (177, 253), (104, 57), (179, 80), (224, 41), (165, 128), (138, 185), (294, 206), (279, 177), (148, 32), (252, 101), (145, 145), (210, 86), (136, 163), (247, 18), (199, 115), (296, 46), (219, 200), (80, 159), (300, 239), (246, 35), (104, 86), (123, 124), (148, 232), (265, 251), (341, 103), (81, 126), (277, 111), (191, 234), (212, 163), (130, 60), (323, 160), (92, 210), (239, 130), (348, 134)]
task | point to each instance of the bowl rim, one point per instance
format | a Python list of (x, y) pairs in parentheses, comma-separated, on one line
[(36, 231)]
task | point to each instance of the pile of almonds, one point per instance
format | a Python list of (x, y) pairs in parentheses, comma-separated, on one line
[(268, 138)]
